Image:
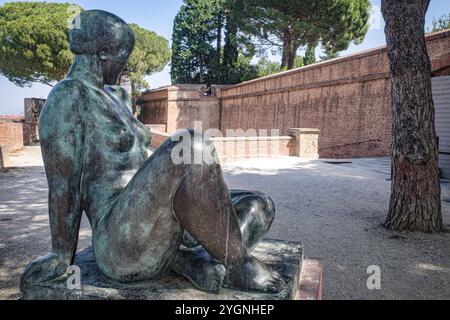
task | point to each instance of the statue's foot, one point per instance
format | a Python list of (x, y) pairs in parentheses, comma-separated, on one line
[(45, 269), (200, 268), (253, 275)]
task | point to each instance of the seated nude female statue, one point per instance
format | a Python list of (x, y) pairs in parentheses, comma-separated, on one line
[(148, 215)]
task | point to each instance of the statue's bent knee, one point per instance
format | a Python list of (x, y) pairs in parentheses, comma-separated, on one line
[(189, 146)]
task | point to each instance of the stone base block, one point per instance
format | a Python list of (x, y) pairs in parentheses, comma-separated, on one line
[(4, 157), (285, 257)]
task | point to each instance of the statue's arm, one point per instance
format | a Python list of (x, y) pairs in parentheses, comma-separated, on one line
[(61, 135)]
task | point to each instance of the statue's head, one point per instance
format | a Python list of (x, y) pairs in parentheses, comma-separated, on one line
[(106, 36)]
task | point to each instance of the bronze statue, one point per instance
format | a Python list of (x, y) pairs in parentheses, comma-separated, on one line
[(148, 214)]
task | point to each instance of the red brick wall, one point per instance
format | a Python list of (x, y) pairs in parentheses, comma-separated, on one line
[(154, 112), (30, 133), (238, 148), (11, 134), (180, 106), (347, 99), (158, 137)]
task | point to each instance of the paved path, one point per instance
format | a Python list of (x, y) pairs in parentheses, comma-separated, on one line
[(335, 210)]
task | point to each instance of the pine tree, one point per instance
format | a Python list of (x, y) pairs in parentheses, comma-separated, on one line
[(206, 45), (415, 203), (194, 57)]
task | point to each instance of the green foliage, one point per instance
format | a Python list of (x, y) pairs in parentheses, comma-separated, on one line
[(329, 54), (207, 47), (241, 70), (266, 67), (291, 24), (310, 55), (299, 61), (151, 54), (34, 45), (440, 23), (34, 41), (194, 32)]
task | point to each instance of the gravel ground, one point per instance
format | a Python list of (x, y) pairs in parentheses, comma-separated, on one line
[(336, 210)]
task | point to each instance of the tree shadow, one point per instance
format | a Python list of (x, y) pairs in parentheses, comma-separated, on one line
[(336, 211), (24, 224)]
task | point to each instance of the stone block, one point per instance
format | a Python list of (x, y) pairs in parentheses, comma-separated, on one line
[(4, 157), (285, 257), (306, 143)]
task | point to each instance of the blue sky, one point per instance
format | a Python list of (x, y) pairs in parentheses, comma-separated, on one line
[(157, 16)]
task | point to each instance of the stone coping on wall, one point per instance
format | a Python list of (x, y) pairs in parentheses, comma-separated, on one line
[(198, 92), (353, 56), (303, 142), (268, 138), (230, 139), (11, 118)]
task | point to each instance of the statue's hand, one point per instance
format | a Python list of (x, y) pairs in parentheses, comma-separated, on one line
[(45, 269)]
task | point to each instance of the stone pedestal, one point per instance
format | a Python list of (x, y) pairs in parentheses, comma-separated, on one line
[(306, 143), (285, 257), (4, 157)]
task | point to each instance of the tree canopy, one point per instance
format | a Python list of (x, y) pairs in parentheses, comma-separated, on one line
[(151, 54), (207, 47), (194, 32), (34, 41), (440, 23), (34, 45), (292, 24)]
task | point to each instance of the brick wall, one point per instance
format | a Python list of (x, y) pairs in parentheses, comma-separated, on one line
[(179, 106), (237, 148), (14, 126), (11, 135), (347, 99), (240, 148), (30, 132)]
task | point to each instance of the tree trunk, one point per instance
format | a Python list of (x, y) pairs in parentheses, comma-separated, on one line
[(415, 203), (287, 43), (293, 55), (133, 99), (230, 51), (219, 46), (310, 54), (290, 47)]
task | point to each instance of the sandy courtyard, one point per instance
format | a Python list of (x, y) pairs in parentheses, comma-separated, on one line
[(335, 210)]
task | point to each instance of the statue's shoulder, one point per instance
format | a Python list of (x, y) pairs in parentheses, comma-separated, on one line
[(121, 93), (62, 103), (65, 96), (67, 89)]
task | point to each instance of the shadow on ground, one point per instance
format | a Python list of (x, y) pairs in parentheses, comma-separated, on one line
[(335, 210), (24, 226)]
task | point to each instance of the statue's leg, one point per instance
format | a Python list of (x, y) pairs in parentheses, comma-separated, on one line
[(255, 212), (140, 235), (204, 207)]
